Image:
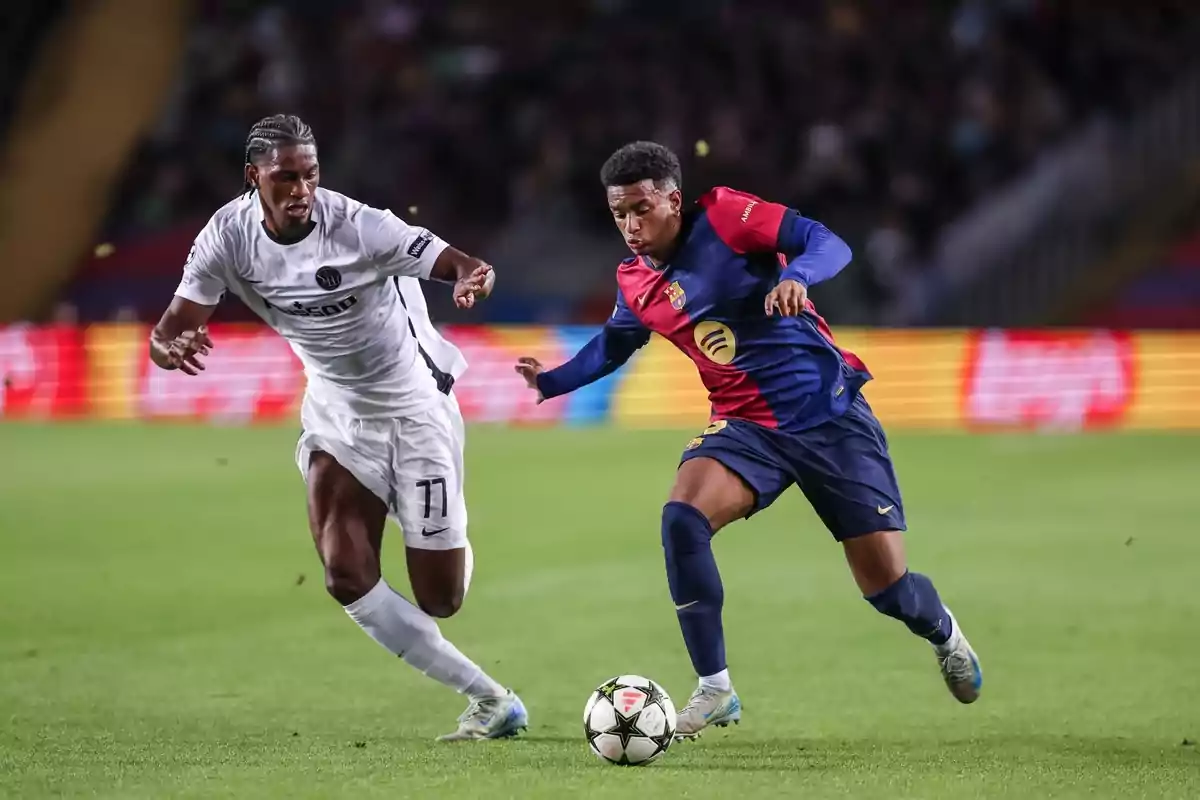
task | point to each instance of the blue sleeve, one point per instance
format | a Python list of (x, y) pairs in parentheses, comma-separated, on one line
[(815, 253), (620, 338)]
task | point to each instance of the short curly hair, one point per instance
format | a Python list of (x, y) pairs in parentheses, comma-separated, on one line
[(639, 161)]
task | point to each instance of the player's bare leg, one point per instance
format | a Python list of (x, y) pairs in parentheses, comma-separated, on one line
[(438, 579), (706, 497), (347, 523), (876, 560), (880, 569)]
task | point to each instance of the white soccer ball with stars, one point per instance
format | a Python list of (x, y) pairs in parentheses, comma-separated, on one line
[(629, 720)]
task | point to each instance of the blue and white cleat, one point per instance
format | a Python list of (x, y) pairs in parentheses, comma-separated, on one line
[(490, 718), (960, 665), (707, 707)]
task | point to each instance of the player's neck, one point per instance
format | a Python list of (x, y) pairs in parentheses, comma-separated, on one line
[(289, 235), (659, 258)]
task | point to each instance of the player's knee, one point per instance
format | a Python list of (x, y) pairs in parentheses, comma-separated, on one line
[(348, 576), (441, 604), (685, 529), (347, 587), (876, 560), (438, 579), (687, 549), (714, 490)]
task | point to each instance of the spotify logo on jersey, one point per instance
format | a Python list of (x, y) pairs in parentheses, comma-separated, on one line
[(716, 341)]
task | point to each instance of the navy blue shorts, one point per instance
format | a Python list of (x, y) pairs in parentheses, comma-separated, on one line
[(842, 466)]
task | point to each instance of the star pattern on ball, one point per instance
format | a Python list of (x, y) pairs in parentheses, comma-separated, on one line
[(661, 743), (592, 734), (626, 727), (608, 689), (655, 695)]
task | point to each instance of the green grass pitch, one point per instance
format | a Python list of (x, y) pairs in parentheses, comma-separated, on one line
[(164, 630)]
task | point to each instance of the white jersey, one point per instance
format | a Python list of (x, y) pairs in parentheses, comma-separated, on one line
[(346, 298)]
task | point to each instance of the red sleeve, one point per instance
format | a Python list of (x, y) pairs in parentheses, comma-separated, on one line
[(747, 224)]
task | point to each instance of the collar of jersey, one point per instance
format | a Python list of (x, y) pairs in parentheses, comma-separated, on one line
[(262, 221), (281, 243)]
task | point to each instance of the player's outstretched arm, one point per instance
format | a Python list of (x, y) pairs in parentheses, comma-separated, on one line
[(400, 249), (604, 354), (181, 336)]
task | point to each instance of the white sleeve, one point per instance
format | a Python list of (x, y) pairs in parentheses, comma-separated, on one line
[(202, 272), (397, 248)]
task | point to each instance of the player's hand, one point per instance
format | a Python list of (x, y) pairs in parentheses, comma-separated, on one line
[(184, 352), (788, 296), (529, 368), (476, 285)]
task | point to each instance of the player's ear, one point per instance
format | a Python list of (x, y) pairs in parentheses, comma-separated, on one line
[(676, 200), (251, 176)]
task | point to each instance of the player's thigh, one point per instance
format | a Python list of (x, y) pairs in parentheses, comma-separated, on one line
[(431, 508), (346, 463), (728, 473), (346, 520), (845, 470)]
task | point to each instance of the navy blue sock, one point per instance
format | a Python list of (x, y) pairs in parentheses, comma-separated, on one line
[(695, 585), (915, 602)]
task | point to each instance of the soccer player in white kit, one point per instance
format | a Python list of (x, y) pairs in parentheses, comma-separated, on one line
[(382, 435)]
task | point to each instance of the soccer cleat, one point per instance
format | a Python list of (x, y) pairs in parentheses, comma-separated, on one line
[(490, 718), (960, 665), (707, 707)]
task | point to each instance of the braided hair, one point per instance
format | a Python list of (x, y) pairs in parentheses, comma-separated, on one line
[(279, 130)]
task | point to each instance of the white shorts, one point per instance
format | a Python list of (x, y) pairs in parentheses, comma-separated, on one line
[(413, 464)]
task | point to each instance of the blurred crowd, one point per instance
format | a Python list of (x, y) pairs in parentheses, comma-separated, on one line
[(882, 119)]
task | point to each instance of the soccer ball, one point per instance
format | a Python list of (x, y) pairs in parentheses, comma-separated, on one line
[(629, 720)]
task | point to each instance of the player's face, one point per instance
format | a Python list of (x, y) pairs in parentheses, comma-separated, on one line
[(646, 215), (286, 184)]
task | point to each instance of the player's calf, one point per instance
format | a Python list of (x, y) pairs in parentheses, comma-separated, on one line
[(707, 495), (699, 596), (913, 600), (877, 562), (695, 585), (414, 636)]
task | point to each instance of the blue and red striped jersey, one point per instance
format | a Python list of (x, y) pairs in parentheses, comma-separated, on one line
[(708, 300)]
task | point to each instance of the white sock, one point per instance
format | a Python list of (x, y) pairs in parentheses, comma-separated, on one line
[(410, 633), (718, 683)]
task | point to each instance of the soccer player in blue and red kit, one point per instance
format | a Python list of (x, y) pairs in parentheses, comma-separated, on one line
[(726, 282)]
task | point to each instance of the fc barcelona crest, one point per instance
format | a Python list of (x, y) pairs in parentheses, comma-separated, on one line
[(675, 294)]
